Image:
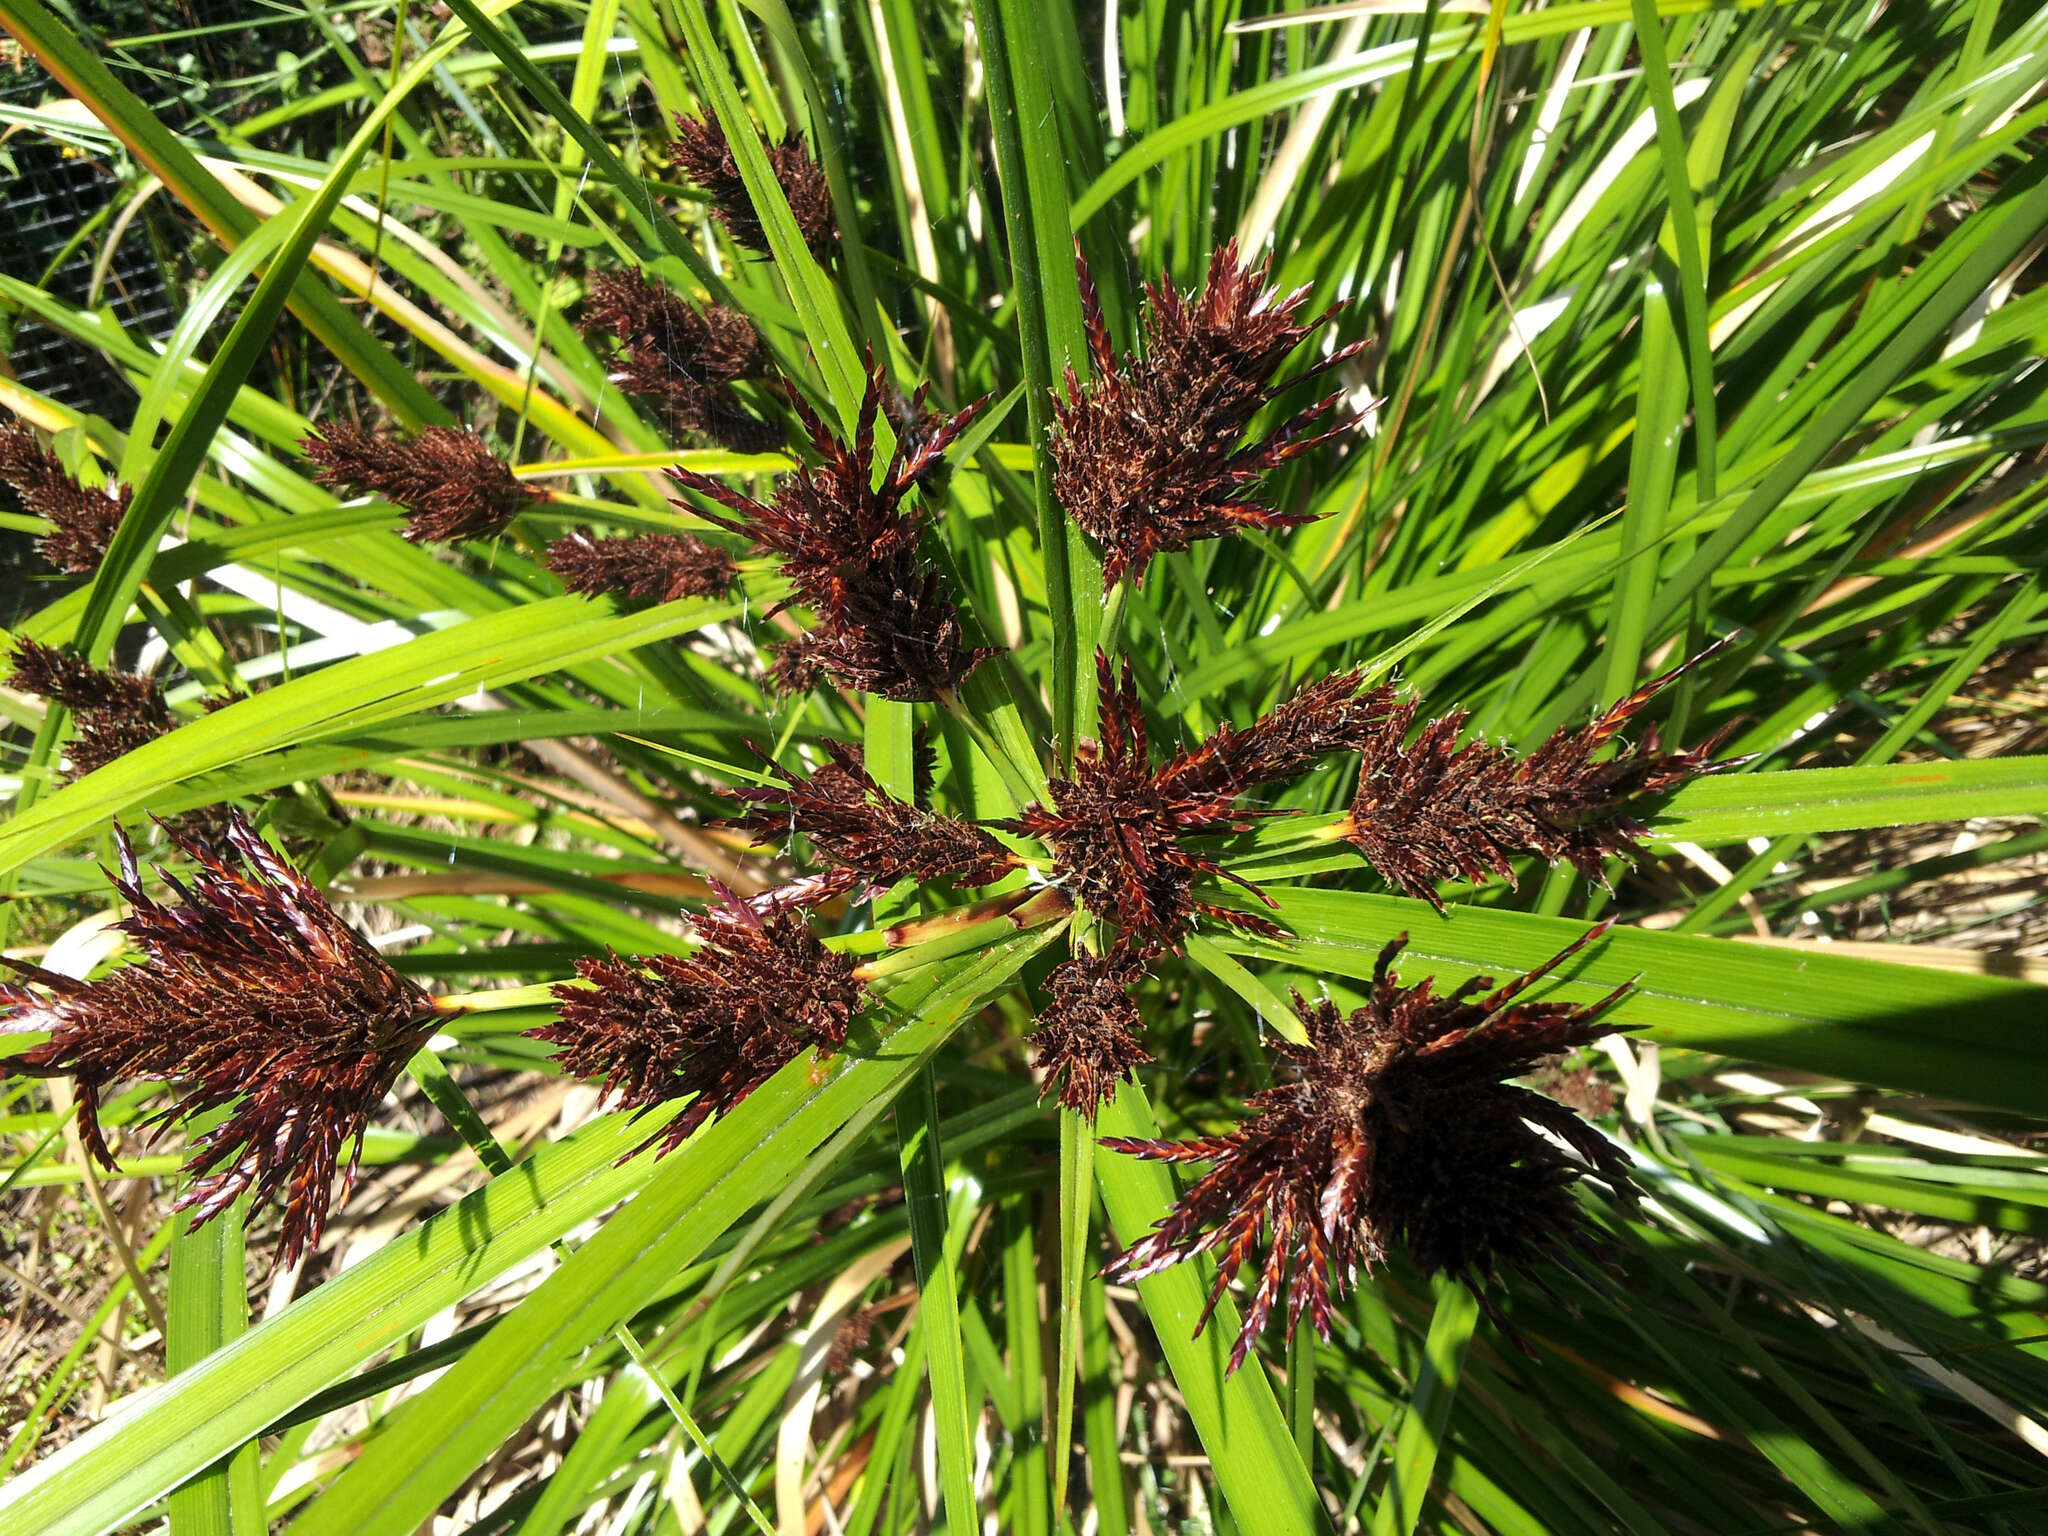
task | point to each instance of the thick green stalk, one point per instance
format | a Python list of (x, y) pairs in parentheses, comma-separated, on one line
[(1420, 1444), (208, 1307), (924, 1192), (1032, 172)]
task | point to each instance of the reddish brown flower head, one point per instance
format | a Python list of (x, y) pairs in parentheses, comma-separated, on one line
[(1319, 718), (916, 424), (895, 632), (1090, 1037), (663, 566), (1431, 810), (1151, 456), (116, 712), (850, 548), (707, 159), (796, 666), (82, 522), (251, 997), (1116, 828), (830, 520), (657, 328), (725, 419), (681, 357), (867, 834), (1395, 1127), (447, 480), (713, 1025), (1581, 1089), (849, 1340)]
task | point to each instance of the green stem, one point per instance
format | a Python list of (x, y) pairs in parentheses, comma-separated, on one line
[(538, 994), (209, 1308), (1021, 789), (1077, 1196), (924, 1189), (1031, 173), (1419, 1446), (1113, 608), (1301, 1391)]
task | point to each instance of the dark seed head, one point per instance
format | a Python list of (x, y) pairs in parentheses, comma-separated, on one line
[(1430, 809), (886, 623), (868, 835), (1089, 1038), (713, 1025), (706, 158), (1151, 456), (714, 345), (116, 712), (449, 483), (663, 566), (82, 522), (251, 997), (1396, 1126), (680, 357), (894, 631), (796, 666), (1117, 827), (1320, 718)]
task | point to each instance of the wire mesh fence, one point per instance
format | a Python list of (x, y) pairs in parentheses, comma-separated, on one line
[(202, 65)]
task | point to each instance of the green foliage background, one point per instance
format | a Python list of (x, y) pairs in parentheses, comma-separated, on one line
[(1686, 320)]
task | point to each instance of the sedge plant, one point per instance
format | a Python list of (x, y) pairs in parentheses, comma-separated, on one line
[(1141, 767)]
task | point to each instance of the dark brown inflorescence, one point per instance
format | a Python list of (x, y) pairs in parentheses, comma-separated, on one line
[(252, 997), (868, 835), (447, 480), (707, 159), (1151, 456), (896, 633), (1089, 1038), (1319, 718), (715, 1024), (1431, 810), (116, 711), (1396, 1126), (886, 623), (682, 358), (798, 665), (1116, 827), (82, 522), (663, 566)]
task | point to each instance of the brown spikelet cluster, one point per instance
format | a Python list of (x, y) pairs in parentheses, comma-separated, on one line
[(663, 566), (851, 1338), (798, 666), (898, 635), (1117, 827), (82, 522), (116, 712), (1152, 456), (682, 358), (713, 1025), (1396, 1126), (707, 159), (868, 836), (447, 480), (1330, 715), (250, 997), (1430, 809), (1089, 1038), (1580, 1089), (915, 424), (886, 623)]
